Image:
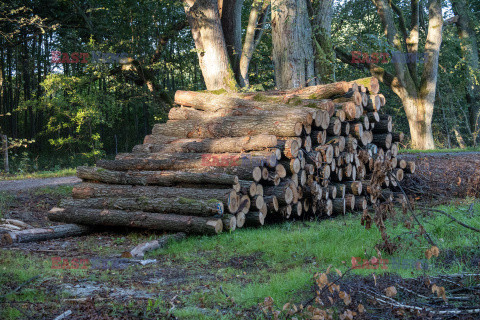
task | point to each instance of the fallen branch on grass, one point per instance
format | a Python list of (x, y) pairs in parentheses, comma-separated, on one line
[(41, 234), (20, 286), (427, 236), (140, 250), (451, 217)]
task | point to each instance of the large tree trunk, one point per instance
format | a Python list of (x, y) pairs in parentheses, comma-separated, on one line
[(322, 40), (292, 44), (469, 46), (231, 19), (254, 32), (204, 20), (282, 126), (137, 219), (418, 96), (160, 178), (236, 144), (182, 206)]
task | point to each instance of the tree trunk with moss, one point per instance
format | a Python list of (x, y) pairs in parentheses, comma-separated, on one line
[(417, 91), (292, 44), (469, 47), (204, 19), (324, 54)]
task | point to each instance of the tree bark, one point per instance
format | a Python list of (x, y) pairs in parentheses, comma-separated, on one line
[(181, 161), (181, 206), (256, 24), (233, 127), (292, 44), (228, 197), (469, 47), (237, 144), (324, 53), (42, 234), (204, 20), (137, 219), (160, 178)]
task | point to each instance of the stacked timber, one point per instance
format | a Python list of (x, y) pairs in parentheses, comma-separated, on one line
[(222, 162)]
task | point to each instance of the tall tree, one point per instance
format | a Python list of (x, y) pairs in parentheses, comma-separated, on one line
[(204, 19), (292, 44), (469, 47), (417, 92), (321, 12)]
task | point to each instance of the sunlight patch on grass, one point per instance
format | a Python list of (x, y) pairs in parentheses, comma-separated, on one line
[(40, 174)]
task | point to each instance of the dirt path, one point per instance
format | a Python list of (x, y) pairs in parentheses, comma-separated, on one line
[(27, 184)]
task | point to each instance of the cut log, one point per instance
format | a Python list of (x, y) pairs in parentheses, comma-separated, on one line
[(137, 219), (383, 126), (182, 206), (140, 250), (398, 136), (92, 190), (289, 147), (240, 219), (324, 91), (350, 202), (284, 192), (290, 126), (164, 178), (221, 145), (338, 206), (181, 161), (383, 140), (48, 233), (360, 203), (254, 219), (229, 222), (370, 83)]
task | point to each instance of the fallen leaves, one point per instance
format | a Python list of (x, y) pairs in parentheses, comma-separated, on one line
[(440, 291), (432, 252), (391, 291)]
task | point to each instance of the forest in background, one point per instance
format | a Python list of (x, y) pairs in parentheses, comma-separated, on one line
[(69, 113)]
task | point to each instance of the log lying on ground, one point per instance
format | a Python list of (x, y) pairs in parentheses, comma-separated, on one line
[(95, 190), (181, 161), (160, 178), (140, 250), (221, 145), (42, 234), (283, 126), (137, 219), (182, 206)]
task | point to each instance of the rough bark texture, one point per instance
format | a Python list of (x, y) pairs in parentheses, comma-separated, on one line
[(42, 234), (292, 44), (324, 53), (137, 219), (237, 144), (469, 47), (160, 178), (232, 127), (182, 206), (204, 20)]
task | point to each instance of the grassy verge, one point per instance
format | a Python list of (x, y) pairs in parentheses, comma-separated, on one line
[(196, 275), (40, 174)]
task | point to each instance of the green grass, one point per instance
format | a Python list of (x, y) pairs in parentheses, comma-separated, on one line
[(61, 191), (250, 264), (468, 149), (40, 174)]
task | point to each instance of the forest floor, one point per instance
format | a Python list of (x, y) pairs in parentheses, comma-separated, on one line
[(247, 274)]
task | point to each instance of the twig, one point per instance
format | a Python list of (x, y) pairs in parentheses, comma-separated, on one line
[(20, 286), (427, 236), (453, 218)]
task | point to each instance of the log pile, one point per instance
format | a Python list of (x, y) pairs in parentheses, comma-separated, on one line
[(223, 162)]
